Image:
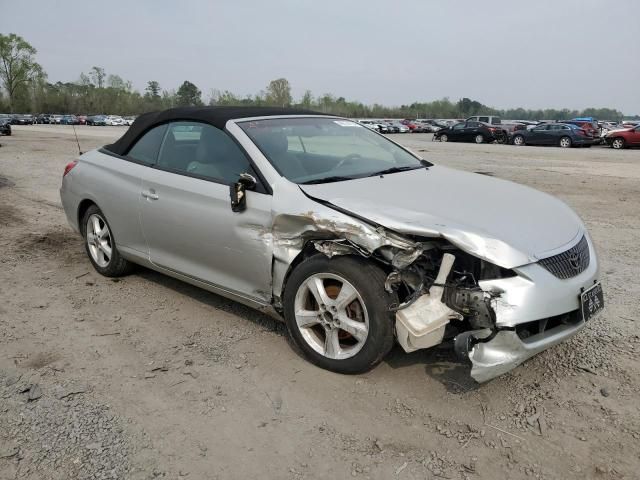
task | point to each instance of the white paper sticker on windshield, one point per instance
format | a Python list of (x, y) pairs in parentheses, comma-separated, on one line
[(346, 123)]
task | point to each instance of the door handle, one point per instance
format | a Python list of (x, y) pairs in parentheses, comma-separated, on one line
[(150, 195)]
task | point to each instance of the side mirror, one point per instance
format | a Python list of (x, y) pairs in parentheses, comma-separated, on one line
[(237, 191)]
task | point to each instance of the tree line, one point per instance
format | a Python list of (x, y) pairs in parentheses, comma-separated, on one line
[(26, 89)]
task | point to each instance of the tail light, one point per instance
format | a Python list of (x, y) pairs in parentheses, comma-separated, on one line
[(69, 167)]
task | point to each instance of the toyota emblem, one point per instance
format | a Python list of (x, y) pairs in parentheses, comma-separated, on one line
[(574, 261)]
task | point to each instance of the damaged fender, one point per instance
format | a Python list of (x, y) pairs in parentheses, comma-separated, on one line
[(302, 219)]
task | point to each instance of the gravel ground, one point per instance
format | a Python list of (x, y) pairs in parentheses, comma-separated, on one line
[(147, 377)]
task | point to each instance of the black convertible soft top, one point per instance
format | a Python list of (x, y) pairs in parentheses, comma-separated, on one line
[(216, 116)]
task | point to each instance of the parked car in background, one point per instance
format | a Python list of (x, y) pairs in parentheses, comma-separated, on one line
[(129, 120), (96, 120), (56, 118), (42, 119), (82, 119), (619, 139), (391, 128), (69, 120), (434, 124), (382, 127), (558, 134), (411, 124), (398, 127), (471, 131), (490, 119), (589, 125), (23, 119), (5, 124), (114, 120), (422, 128)]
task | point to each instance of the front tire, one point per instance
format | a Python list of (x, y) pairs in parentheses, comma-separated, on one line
[(444, 137), (338, 313), (101, 246), (565, 142), (518, 140), (618, 143)]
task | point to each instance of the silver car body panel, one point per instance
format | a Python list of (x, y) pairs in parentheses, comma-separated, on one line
[(496, 220), (186, 229), (189, 217)]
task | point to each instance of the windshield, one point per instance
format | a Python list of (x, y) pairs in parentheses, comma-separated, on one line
[(320, 150)]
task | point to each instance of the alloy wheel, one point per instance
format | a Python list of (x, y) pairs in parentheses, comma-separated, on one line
[(331, 316), (479, 139), (99, 240), (565, 142), (444, 138), (618, 143), (518, 140)]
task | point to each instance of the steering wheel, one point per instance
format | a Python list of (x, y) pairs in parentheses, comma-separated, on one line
[(351, 156)]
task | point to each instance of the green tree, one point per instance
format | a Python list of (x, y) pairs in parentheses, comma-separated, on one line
[(279, 92), (307, 99), (188, 95), (97, 75), (18, 66), (153, 90)]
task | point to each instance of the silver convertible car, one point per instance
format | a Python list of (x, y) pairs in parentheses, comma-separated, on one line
[(355, 241)]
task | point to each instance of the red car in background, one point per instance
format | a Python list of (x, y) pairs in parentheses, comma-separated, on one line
[(619, 139), (591, 127), (410, 124), (82, 119)]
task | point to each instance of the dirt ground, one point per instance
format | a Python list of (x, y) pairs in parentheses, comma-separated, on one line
[(147, 377)]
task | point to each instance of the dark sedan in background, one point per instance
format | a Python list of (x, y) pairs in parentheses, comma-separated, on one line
[(5, 124), (471, 131), (559, 134), (23, 120), (69, 120), (96, 120)]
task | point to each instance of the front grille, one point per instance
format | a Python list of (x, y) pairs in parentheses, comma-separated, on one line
[(570, 263)]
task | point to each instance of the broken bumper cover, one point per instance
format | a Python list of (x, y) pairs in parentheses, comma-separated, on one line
[(534, 294), (506, 350)]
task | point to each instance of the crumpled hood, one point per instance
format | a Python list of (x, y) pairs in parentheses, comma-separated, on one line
[(499, 221)]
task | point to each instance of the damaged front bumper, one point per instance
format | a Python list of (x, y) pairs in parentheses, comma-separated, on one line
[(506, 350), (532, 310), (536, 298)]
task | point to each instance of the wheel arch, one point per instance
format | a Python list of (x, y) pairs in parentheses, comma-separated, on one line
[(83, 206), (308, 251)]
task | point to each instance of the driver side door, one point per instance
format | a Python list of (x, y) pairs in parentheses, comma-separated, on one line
[(187, 219), (458, 132), (539, 135)]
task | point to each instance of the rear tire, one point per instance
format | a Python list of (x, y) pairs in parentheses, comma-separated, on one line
[(479, 138), (350, 329), (618, 143), (100, 245), (565, 142)]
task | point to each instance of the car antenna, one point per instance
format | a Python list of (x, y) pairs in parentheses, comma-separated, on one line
[(77, 141)]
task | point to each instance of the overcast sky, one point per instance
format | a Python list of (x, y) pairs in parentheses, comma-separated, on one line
[(535, 54)]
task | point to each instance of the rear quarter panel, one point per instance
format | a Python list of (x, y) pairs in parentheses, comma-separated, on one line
[(114, 184)]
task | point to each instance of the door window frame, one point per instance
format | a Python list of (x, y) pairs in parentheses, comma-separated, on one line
[(261, 185)]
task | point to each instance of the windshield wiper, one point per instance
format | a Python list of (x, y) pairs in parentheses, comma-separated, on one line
[(397, 169), (334, 178)]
